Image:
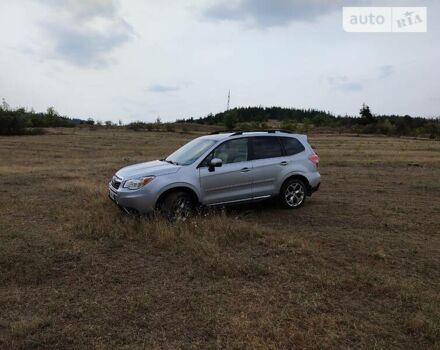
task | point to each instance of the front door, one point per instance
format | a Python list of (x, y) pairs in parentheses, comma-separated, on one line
[(233, 180)]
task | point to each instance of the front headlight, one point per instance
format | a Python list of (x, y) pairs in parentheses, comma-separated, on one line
[(136, 184)]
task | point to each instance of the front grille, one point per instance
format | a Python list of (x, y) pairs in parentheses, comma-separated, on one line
[(116, 182)]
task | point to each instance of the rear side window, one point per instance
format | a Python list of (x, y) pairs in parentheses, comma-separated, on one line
[(292, 146), (266, 147)]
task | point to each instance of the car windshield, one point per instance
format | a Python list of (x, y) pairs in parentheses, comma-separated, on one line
[(190, 152)]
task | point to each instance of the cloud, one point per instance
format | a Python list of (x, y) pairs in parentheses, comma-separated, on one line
[(85, 32), (386, 71), (344, 84), (83, 9), (273, 13), (162, 88)]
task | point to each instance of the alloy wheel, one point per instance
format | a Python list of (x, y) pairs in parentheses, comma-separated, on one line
[(294, 194), (182, 209)]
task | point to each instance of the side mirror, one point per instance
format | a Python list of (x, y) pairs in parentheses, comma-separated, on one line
[(215, 163)]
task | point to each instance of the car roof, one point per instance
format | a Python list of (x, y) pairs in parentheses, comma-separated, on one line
[(216, 137), (226, 135)]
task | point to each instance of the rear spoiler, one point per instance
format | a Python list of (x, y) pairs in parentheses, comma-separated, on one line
[(303, 137)]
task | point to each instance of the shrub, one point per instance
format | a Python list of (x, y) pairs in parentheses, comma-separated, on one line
[(12, 124), (169, 127), (231, 120), (137, 126), (385, 128), (35, 131), (288, 125), (369, 129), (17, 124), (254, 125), (245, 126)]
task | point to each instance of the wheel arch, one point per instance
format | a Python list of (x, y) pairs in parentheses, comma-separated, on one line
[(177, 188), (299, 177)]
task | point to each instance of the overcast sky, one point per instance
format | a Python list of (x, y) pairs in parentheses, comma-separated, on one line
[(137, 60)]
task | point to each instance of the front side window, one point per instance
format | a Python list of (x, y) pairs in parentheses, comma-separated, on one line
[(292, 146), (233, 151), (266, 147), (190, 152)]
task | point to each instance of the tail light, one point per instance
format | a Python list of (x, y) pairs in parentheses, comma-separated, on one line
[(314, 159)]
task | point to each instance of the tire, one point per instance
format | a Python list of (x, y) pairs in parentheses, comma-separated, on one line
[(293, 194), (177, 206)]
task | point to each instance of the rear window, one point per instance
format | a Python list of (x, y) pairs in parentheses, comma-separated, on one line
[(292, 145), (266, 147)]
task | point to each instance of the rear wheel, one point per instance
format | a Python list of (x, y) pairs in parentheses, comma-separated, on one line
[(177, 206), (293, 194)]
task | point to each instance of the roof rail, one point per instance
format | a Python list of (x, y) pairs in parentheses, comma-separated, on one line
[(270, 131), (223, 132)]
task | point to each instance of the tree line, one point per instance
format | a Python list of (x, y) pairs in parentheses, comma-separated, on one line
[(20, 121), (302, 120)]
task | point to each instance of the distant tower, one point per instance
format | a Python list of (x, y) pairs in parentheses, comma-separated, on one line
[(229, 100)]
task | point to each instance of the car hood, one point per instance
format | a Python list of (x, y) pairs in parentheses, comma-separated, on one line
[(155, 167)]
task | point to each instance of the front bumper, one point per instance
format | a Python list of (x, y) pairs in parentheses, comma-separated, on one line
[(141, 201)]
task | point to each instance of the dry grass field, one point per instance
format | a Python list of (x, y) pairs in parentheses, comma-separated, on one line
[(358, 267)]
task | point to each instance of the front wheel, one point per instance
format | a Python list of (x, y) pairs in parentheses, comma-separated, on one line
[(293, 194), (177, 206)]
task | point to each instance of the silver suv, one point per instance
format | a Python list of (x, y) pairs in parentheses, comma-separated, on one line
[(220, 169)]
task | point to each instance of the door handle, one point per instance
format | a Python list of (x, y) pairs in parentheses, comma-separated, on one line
[(245, 170), (283, 163)]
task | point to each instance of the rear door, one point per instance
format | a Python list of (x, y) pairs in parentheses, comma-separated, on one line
[(268, 161), (232, 181)]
